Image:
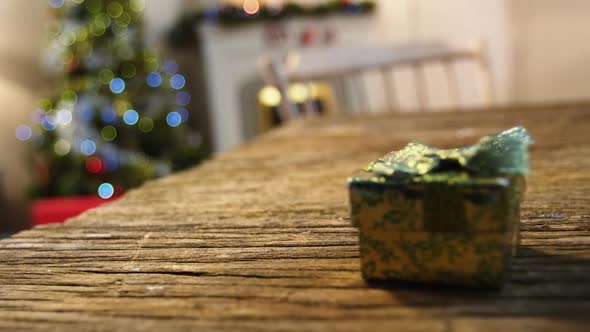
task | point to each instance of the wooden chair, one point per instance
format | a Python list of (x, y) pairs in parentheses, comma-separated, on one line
[(342, 65)]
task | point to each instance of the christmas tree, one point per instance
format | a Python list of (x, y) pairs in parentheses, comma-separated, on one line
[(119, 116)]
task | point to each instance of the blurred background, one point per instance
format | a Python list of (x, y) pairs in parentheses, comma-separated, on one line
[(98, 96)]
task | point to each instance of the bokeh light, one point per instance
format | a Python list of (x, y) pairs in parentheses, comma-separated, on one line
[(123, 20), (105, 76), (146, 125), (151, 64), (67, 38), (130, 117), (88, 147), (49, 122), (251, 7), (45, 104), (111, 162), (106, 190), (173, 119), (94, 165), (183, 98), (177, 81), (108, 133), (97, 28), (298, 92), (62, 147), (23, 132), (87, 113), (154, 80), (109, 115), (269, 96), (69, 97), (117, 85), (115, 9), (103, 20), (183, 113), (55, 3), (137, 5), (353, 9), (128, 69), (170, 67), (64, 117)]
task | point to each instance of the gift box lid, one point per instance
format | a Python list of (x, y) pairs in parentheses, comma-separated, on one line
[(486, 163)]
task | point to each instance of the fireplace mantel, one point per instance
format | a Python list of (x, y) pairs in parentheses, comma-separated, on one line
[(230, 56)]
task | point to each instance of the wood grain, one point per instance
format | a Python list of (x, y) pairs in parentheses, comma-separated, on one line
[(259, 239)]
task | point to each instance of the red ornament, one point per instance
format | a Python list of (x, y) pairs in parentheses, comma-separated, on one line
[(308, 37), (94, 165)]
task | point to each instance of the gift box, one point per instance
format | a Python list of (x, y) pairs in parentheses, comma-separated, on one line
[(444, 216)]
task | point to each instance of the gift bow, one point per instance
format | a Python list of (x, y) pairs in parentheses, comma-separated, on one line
[(503, 154)]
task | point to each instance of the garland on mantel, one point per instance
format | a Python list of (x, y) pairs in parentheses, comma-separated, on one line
[(182, 34)]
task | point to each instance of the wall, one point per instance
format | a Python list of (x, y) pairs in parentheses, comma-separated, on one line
[(23, 26), (551, 50), (455, 21)]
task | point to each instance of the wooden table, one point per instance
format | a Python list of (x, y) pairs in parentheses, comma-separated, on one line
[(259, 239)]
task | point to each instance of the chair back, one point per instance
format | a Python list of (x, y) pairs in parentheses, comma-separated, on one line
[(345, 66)]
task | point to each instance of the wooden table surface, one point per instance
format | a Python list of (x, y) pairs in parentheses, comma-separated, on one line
[(259, 239)]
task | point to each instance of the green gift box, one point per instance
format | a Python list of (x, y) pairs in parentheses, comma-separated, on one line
[(444, 216)]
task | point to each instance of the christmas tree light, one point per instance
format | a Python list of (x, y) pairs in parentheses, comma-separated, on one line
[(114, 121)]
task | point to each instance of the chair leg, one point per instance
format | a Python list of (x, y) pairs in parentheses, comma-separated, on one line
[(389, 89), (336, 95), (421, 88), (308, 104), (452, 83), (361, 93), (343, 91), (487, 85)]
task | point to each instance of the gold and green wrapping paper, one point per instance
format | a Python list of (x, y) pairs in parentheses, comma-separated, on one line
[(445, 216)]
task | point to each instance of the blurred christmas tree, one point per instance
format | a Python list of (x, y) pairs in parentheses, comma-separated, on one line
[(119, 117)]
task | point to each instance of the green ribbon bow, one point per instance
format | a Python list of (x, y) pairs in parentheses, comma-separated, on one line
[(503, 154)]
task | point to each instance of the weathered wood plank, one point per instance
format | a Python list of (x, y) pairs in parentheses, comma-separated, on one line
[(259, 239)]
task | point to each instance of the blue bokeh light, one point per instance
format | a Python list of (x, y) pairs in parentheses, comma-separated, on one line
[(112, 163), (130, 117), (173, 119), (84, 109), (177, 82), (106, 190), (109, 115), (170, 67), (154, 79), (64, 117), (55, 3), (183, 98), (354, 9), (117, 85), (87, 113), (49, 122), (23, 132), (211, 13), (88, 147), (183, 113)]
